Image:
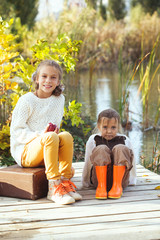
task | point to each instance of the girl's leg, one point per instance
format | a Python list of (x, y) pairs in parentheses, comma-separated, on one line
[(65, 154), (65, 163), (48, 147), (43, 150)]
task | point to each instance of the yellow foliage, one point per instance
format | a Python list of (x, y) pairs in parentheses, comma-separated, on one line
[(4, 137), (14, 85), (7, 69), (7, 53), (14, 97), (157, 188)]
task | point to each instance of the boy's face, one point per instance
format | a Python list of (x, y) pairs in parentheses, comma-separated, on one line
[(108, 128)]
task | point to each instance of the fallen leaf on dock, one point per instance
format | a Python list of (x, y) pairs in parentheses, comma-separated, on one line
[(144, 175), (148, 180), (157, 188)]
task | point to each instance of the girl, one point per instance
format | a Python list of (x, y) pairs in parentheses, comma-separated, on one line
[(109, 161), (32, 145)]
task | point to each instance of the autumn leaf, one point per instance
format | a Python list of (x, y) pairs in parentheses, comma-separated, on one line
[(157, 188), (14, 85)]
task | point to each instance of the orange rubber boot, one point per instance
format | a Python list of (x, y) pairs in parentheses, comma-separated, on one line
[(116, 190), (101, 191)]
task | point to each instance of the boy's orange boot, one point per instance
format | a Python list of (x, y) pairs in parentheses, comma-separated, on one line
[(116, 190), (101, 191)]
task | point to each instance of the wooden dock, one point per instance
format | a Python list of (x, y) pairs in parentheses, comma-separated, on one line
[(136, 215)]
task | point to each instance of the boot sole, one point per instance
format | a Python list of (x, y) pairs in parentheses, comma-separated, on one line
[(101, 197), (115, 197)]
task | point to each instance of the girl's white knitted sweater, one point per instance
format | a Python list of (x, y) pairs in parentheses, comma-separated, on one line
[(30, 118), (90, 145)]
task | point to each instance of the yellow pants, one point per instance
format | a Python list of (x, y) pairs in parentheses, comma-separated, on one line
[(54, 151)]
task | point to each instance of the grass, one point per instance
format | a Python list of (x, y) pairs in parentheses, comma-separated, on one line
[(154, 163), (146, 80)]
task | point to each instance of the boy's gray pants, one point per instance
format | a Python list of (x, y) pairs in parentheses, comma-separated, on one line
[(120, 155)]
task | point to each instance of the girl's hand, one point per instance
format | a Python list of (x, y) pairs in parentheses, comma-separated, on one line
[(56, 130), (47, 128)]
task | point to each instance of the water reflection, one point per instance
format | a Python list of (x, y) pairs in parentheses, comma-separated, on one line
[(135, 104), (104, 93)]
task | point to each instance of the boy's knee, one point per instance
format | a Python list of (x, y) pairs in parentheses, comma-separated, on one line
[(122, 156), (120, 147), (101, 149), (100, 155)]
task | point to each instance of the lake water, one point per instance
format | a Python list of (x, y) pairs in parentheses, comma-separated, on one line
[(103, 93)]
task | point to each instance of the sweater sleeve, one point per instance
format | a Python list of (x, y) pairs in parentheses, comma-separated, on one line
[(19, 127), (90, 145), (62, 110), (133, 174)]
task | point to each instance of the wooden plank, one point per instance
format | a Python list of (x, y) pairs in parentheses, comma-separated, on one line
[(95, 230), (78, 211), (86, 202), (82, 221)]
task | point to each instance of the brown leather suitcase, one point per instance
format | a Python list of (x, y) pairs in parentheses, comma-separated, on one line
[(27, 183)]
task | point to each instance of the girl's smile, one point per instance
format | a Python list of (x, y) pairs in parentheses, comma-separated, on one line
[(108, 128), (48, 80)]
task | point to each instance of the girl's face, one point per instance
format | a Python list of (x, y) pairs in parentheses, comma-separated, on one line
[(48, 80), (108, 128)]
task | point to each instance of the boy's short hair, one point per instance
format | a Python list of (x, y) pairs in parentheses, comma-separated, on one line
[(109, 113)]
